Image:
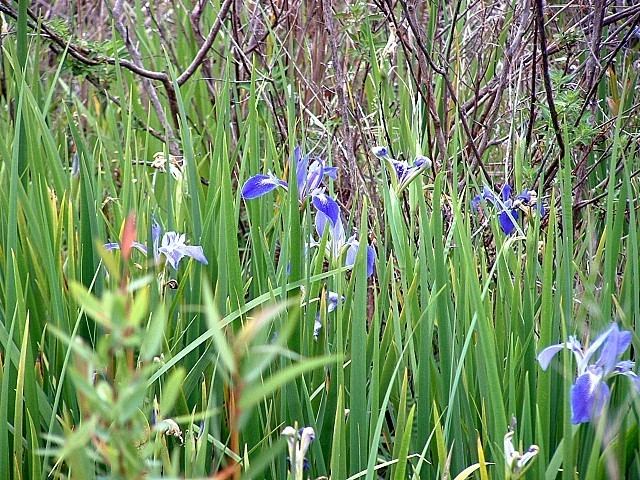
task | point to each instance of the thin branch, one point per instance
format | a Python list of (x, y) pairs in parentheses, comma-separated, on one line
[(426, 98), (135, 65), (341, 85), (443, 73), (141, 123), (594, 86), (491, 86), (206, 46), (549, 90), (118, 18), (194, 18), (602, 195), (532, 104), (509, 54)]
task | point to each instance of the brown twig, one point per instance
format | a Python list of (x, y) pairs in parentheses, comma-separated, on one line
[(510, 53), (549, 92), (257, 41), (593, 59), (410, 14), (194, 19), (87, 57), (147, 85), (139, 122), (594, 85), (532, 101), (341, 88), (427, 97), (602, 195), (484, 93), (206, 46)]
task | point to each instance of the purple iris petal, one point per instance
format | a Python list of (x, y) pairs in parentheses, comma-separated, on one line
[(507, 220), (75, 165), (405, 172), (475, 202), (317, 327), (116, 246), (505, 192), (401, 169), (590, 391), (336, 232), (371, 260), (259, 185), (327, 205), (302, 164), (575, 346), (321, 223), (195, 252), (140, 247), (525, 196), (380, 151), (623, 367), (338, 236), (333, 299), (331, 172), (297, 154), (352, 253), (528, 197), (616, 344), (507, 215), (173, 258), (174, 249), (596, 344), (313, 178), (487, 194), (156, 231), (588, 397), (309, 175), (421, 161), (546, 355)]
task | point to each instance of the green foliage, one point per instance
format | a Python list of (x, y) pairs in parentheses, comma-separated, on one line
[(569, 101)]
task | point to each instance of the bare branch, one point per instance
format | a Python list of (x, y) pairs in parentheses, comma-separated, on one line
[(206, 46), (118, 18), (548, 87)]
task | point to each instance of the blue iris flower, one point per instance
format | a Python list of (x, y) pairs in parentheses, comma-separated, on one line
[(260, 185), (337, 241), (509, 207), (173, 246), (333, 299), (310, 174), (404, 172), (517, 463), (590, 391), (116, 246), (298, 444), (380, 151)]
